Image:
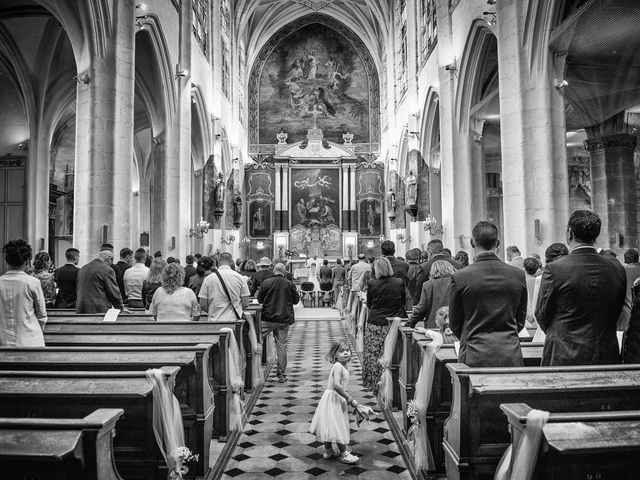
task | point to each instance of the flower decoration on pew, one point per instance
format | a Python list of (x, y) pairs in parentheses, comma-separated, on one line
[(182, 456)]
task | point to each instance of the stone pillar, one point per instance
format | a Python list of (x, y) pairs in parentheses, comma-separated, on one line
[(353, 213), (285, 198), (177, 158), (104, 140), (613, 187), (532, 119), (37, 189), (346, 199), (278, 200)]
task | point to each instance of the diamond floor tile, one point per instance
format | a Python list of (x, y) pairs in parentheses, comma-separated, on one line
[(276, 443)]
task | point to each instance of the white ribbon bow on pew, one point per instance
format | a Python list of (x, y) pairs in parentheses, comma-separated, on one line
[(235, 380), (167, 424), (362, 318), (422, 454), (526, 453), (256, 349), (386, 381)]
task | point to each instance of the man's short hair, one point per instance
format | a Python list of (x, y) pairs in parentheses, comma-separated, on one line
[(140, 255), (513, 249), (339, 262), (388, 248), (170, 260), (189, 259), (631, 256), (325, 262), (585, 226), (435, 246), (531, 265), (447, 252), (225, 258), (125, 252), (157, 254), (106, 246), (555, 251), (72, 254), (485, 235), (197, 256), (279, 269), (361, 256)]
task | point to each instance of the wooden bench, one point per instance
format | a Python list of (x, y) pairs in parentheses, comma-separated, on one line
[(579, 445), (439, 407), (77, 394), (476, 435), (217, 367), (192, 388), (47, 448)]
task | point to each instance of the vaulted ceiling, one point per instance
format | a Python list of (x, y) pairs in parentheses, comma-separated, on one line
[(258, 20)]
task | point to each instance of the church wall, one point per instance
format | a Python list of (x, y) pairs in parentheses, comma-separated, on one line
[(13, 122)]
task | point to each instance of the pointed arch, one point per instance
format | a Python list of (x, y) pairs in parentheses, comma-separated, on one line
[(430, 127), (473, 59), (200, 116)]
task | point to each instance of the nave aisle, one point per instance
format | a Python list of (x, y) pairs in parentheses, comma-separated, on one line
[(276, 443)]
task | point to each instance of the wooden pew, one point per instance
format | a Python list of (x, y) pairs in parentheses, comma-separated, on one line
[(46, 448), (439, 407), (476, 435), (192, 387), (579, 445), (217, 367), (77, 394)]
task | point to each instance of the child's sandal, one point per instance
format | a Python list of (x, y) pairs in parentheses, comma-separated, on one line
[(349, 458)]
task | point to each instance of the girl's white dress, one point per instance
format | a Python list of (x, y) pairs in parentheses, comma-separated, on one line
[(330, 423)]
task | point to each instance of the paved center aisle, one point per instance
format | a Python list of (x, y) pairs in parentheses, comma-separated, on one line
[(276, 442)]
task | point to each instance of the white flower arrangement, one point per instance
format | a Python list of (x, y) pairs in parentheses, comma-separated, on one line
[(181, 456)]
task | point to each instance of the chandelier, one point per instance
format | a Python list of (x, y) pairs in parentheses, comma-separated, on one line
[(199, 229), (431, 225)]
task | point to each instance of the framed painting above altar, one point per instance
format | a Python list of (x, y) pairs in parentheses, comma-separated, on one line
[(315, 196)]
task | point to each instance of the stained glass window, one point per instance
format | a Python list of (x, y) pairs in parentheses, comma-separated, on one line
[(201, 23), (429, 28), (401, 48)]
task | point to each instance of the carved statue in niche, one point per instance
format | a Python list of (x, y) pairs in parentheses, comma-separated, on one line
[(411, 189), (218, 195), (68, 203), (391, 201), (237, 209)]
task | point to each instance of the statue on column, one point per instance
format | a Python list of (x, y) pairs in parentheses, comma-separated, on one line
[(391, 204), (411, 189), (218, 195), (237, 209)]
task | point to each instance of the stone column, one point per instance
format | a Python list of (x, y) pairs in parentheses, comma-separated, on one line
[(613, 187), (353, 213), (346, 199), (278, 200), (104, 140), (177, 159), (285, 198), (534, 164)]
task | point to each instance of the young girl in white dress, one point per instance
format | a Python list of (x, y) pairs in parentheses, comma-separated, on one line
[(330, 423)]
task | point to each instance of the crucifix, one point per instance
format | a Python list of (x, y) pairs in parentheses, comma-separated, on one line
[(315, 112)]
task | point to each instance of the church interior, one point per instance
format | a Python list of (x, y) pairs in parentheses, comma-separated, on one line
[(322, 128)]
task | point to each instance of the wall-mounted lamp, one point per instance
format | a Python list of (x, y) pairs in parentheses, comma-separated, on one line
[(492, 18), (24, 146), (180, 72), (229, 238), (172, 243), (82, 78), (431, 225), (260, 246), (370, 245), (157, 141), (560, 84), (200, 229), (452, 67), (401, 237), (536, 231), (382, 238)]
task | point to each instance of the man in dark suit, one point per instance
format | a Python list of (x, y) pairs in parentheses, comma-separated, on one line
[(97, 287), (488, 305), (435, 249), (66, 277), (400, 268), (189, 270), (126, 257), (581, 297)]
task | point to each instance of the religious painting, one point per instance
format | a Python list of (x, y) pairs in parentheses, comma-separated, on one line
[(315, 197), (212, 193), (314, 71), (370, 218), (260, 218)]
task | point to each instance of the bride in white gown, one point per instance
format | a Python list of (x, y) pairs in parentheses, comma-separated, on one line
[(313, 277)]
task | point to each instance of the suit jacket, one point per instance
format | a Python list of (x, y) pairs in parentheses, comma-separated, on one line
[(487, 309), (119, 268), (189, 271), (66, 277), (385, 298), (633, 271), (425, 270), (412, 274), (435, 294), (400, 269), (581, 297), (97, 288)]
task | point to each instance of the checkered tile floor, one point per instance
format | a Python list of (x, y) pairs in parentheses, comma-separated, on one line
[(276, 443)]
